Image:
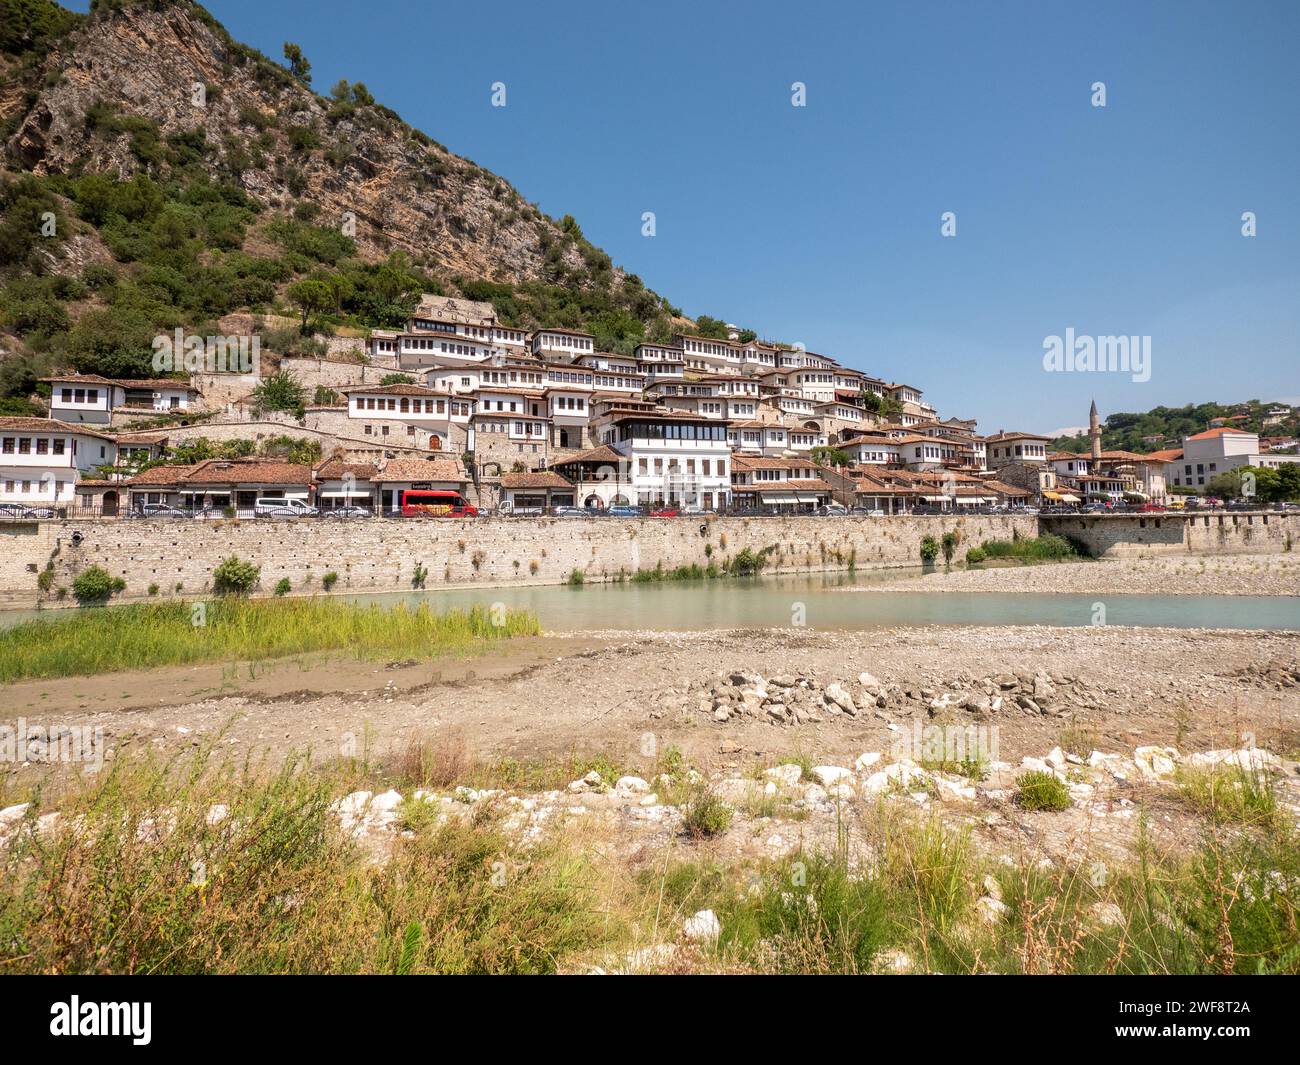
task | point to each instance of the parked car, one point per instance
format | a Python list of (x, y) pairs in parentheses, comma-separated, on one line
[(272, 507), (158, 510), (665, 512), (1148, 508), (692, 509), (624, 511), (571, 512), (831, 510), (348, 512)]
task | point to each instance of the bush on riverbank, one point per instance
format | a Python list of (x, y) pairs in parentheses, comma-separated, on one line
[(161, 634), (1046, 548)]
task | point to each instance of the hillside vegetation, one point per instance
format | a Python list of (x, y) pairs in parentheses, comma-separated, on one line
[(135, 199), (1165, 427)]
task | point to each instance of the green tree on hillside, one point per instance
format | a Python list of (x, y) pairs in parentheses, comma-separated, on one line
[(298, 65)]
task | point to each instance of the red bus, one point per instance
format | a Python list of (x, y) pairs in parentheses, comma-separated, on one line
[(436, 504)]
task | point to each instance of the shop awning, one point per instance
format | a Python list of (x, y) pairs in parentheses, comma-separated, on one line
[(1055, 497), (344, 494), (779, 497), (1066, 497)]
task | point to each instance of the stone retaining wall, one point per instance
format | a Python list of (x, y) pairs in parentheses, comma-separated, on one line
[(380, 555), (1164, 533)]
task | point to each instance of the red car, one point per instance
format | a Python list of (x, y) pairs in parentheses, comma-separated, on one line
[(1148, 507), (436, 504), (665, 512)]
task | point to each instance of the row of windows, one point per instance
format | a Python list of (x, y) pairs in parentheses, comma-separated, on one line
[(660, 431), (557, 340), (705, 466), (25, 487), (79, 395), (44, 445), (406, 405)]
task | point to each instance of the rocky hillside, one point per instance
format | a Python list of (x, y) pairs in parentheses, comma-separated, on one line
[(190, 177), (281, 141)]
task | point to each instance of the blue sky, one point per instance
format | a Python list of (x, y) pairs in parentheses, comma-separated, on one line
[(821, 224)]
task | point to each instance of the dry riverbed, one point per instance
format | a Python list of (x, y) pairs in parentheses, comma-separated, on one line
[(814, 743), (606, 692), (1170, 575)]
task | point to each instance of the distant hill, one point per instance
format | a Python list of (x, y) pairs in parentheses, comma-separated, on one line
[(1165, 427)]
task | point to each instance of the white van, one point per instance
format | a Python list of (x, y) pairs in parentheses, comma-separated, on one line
[(272, 507)]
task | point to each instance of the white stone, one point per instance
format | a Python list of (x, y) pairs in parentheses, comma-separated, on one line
[(866, 760), (702, 927), (954, 789), (632, 784), (386, 802), (1107, 913), (788, 774), (814, 793), (11, 815), (868, 681), (836, 693), (827, 775), (991, 909), (904, 774), (1156, 763)]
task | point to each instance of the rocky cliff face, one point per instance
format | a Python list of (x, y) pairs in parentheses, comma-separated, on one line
[(127, 80)]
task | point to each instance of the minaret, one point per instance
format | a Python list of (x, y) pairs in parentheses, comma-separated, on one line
[(1094, 432)]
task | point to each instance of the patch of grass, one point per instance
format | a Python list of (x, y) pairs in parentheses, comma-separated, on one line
[(808, 915), (1045, 548), (1228, 794), (153, 884), (705, 815), (973, 769), (159, 634), (1039, 790)]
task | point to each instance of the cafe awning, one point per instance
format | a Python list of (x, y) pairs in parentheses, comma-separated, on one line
[(1066, 497)]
